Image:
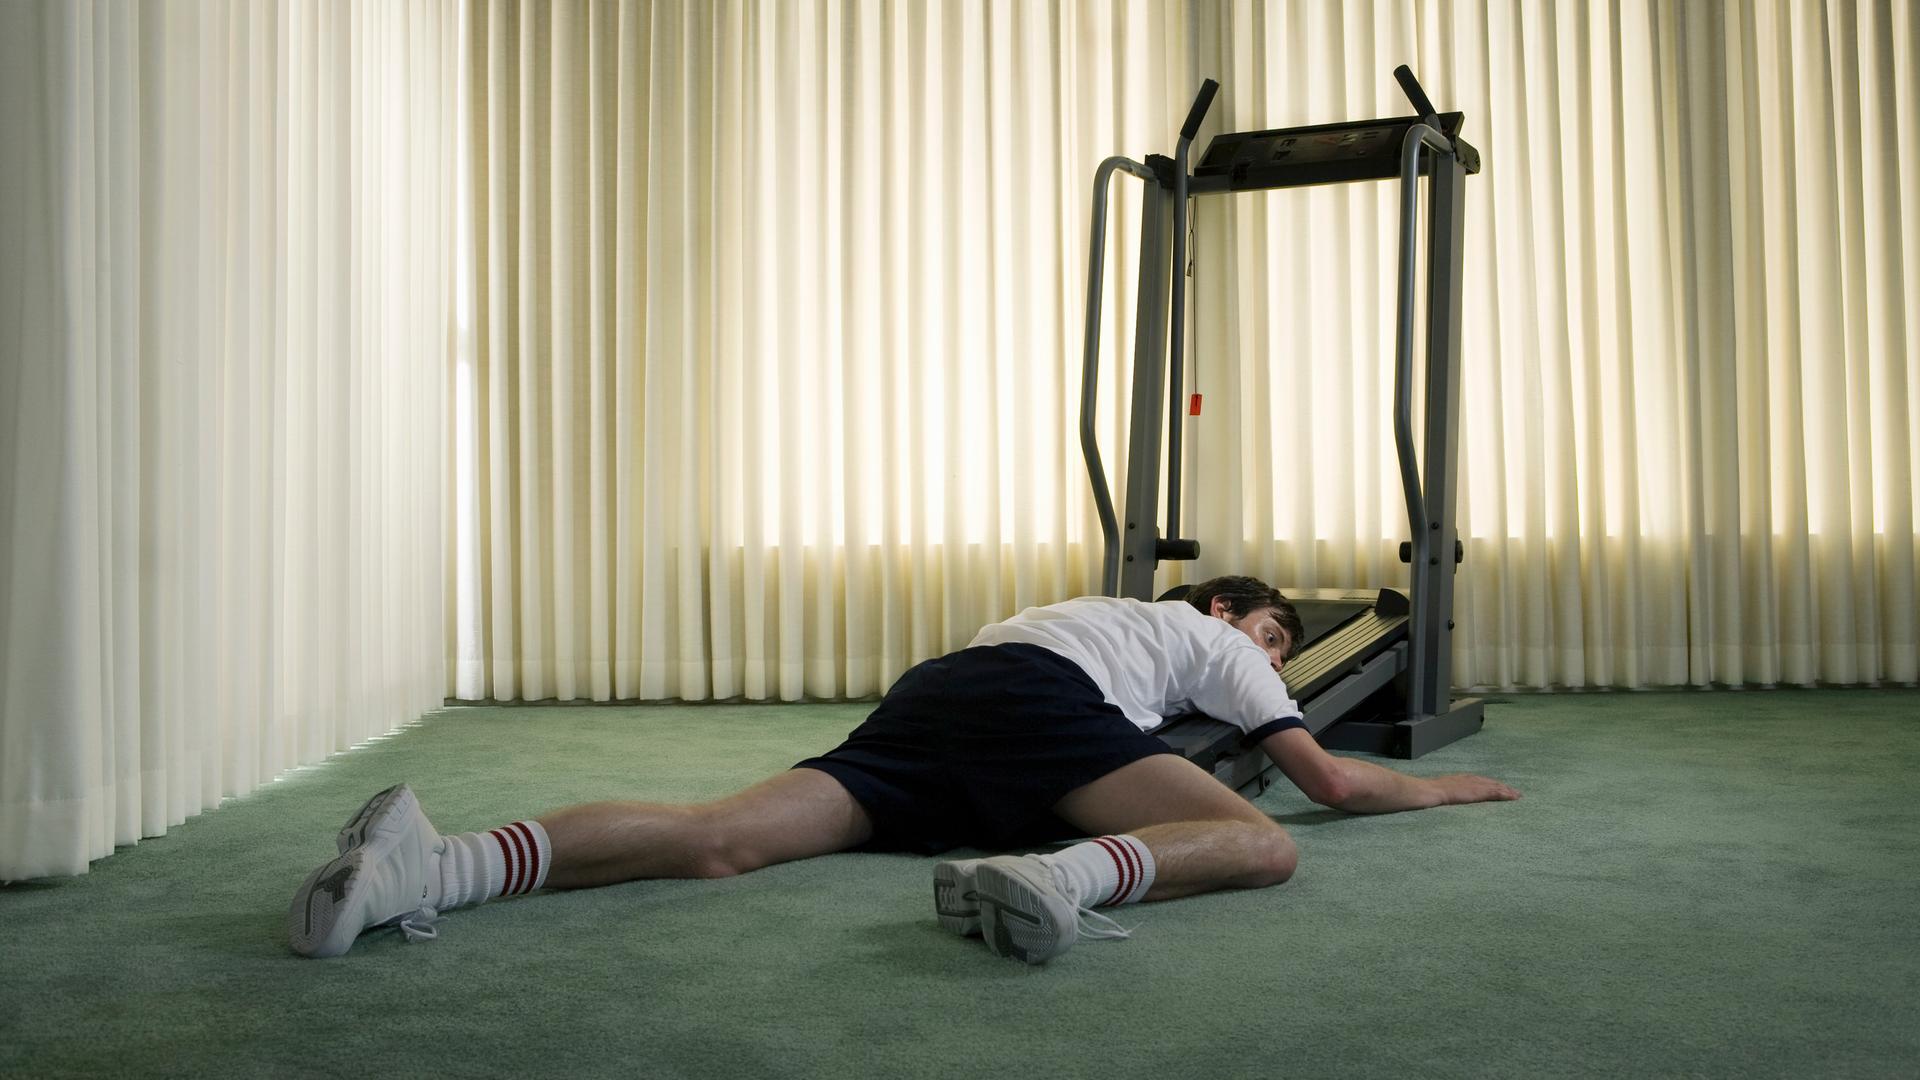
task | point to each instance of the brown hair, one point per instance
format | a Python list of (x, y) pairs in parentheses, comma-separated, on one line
[(1244, 596)]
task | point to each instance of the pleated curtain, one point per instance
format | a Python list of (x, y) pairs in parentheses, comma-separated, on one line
[(1692, 263), (774, 379), (352, 354), (773, 302), (224, 353)]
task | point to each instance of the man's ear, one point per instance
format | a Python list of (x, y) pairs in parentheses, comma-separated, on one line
[(1221, 608)]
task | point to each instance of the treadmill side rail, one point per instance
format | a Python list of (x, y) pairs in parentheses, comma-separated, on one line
[(1343, 697)]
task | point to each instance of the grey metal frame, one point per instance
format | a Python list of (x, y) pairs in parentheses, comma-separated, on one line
[(1128, 567), (1090, 370), (1140, 542), (1431, 513), (1421, 667)]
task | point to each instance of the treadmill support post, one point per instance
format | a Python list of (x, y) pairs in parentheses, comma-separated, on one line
[(1430, 671), (1140, 532)]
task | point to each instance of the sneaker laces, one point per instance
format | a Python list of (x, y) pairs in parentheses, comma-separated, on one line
[(418, 924), (1097, 927)]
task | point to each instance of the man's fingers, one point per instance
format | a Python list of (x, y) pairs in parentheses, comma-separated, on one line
[(1481, 788), (1498, 790)]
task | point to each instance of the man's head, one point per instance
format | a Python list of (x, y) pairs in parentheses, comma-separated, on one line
[(1257, 610)]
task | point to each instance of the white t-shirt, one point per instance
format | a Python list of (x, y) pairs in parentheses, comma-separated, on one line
[(1156, 660)]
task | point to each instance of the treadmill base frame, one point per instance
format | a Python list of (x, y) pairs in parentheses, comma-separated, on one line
[(1411, 737)]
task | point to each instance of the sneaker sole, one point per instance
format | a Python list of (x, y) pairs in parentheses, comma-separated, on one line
[(313, 921), (369, 820), (1015, 921), (956, 906)]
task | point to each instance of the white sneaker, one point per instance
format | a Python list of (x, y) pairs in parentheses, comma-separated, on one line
[(383, 815), (1025, 914), (387, 873), (955, 901)]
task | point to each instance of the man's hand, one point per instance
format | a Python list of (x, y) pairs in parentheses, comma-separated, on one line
[(1466, 788), (1361, 787)]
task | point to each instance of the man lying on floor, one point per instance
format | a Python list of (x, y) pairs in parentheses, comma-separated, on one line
[(1037, 732)]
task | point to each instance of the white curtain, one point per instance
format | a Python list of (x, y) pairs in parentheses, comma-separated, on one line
[(774, 302), (223, 352), (773, 380), (1692, 259)]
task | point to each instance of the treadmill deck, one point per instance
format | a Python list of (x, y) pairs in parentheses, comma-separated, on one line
[(1351, 651)]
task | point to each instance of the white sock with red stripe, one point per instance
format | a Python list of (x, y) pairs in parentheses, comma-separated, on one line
[(506, 861), (1102, 871)]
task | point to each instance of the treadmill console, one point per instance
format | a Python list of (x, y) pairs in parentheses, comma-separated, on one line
[(1323, 154)]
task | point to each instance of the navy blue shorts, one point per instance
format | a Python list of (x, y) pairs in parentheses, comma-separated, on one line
[(974, 749)]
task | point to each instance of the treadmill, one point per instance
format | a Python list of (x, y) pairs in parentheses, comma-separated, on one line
[(1373, 674)]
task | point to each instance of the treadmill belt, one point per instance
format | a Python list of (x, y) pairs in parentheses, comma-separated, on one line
[(1323, 617)]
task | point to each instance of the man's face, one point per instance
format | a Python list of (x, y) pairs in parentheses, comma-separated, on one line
[(1262, 627)]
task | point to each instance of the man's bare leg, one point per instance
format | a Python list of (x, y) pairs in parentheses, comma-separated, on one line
[(394, 868), (794, 815), (1162, 828), (1200, 856), (1202, 835)]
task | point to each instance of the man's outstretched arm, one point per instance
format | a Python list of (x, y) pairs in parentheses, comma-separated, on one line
[(1361, 787)]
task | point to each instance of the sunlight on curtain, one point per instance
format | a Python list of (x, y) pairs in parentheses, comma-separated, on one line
[(1688, 453), (221, 402), (772, 388), (773, 306)]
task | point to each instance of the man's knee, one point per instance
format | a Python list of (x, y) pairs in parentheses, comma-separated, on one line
[(713, 850), (1272, 856)]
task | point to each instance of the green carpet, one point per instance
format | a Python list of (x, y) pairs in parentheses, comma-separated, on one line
[(1718, 884)]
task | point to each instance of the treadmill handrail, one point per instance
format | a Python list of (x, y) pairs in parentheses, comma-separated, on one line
[(1090, 368), (1417, 135), (1177, 305)]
